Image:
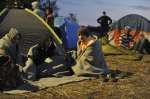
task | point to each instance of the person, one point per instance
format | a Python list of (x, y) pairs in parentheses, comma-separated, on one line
[(9, 45), (90, 59), (143, 45), (49, 17), (36, 57), (10, 60), (104, 21), (73, 17), (126, 39), (37, 10), (43, 60)]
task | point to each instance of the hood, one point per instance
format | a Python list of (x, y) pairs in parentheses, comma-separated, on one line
[(12, 33)]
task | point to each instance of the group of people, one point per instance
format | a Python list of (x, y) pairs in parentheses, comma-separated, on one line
[(89, 61)]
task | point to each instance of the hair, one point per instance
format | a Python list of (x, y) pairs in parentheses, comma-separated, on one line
[(49, 9), (83, 30), (104, 12)]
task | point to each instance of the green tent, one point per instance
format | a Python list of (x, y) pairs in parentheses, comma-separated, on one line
[(31, 26)]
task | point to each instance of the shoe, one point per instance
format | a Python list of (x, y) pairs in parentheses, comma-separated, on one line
[(104, 78)]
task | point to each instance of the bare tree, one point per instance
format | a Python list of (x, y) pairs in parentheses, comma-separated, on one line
[(50, 4)]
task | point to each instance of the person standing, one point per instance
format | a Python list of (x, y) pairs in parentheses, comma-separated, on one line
[(49, 17), (37, 10), (104, 22)]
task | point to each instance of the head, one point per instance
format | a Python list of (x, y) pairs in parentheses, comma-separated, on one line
[(104, 13), (127, 29), (44, 43), (5, 60), (142, 36), (49, 11), (14, 35), (84, 34), (35, 5)]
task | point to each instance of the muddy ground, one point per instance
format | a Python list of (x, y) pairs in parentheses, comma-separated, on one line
[(135, 86)]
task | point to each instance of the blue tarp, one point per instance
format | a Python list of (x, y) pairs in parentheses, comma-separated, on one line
[(69, 30)]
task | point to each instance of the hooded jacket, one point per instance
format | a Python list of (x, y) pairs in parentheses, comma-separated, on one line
[(7, 47)]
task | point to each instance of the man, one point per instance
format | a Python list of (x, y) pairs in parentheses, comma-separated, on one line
[(143, 45), (9, 45), (90, 59), (104, 21), (43, 60), (36, 58), (126, 39), (37, 10), (10, 60), (49, 17)]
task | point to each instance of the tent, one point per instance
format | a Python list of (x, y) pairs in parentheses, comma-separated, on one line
[(138, 24), (69, 30), (31, 26)]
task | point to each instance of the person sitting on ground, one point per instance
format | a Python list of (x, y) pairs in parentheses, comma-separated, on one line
[(143, 45), (90, 59), (9, 45), (37, 10), (36, 58), (126, 39), (10, 60)]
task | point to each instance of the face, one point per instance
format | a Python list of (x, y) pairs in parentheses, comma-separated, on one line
[(127, 31), (82, 38), (16, 39)]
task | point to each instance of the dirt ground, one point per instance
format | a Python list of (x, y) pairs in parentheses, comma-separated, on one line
[(135, 86)]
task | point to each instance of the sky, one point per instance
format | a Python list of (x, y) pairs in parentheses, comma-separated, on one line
[(87, 11)]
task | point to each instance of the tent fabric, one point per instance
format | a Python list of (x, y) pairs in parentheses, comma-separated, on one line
[(32, 29), (69, 30), (138, 24)]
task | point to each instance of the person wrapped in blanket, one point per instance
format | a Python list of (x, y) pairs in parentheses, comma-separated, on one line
[(10, 59), (90, 58)]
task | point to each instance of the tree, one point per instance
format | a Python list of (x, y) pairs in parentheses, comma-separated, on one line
[(50, 4), (2, 4)]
